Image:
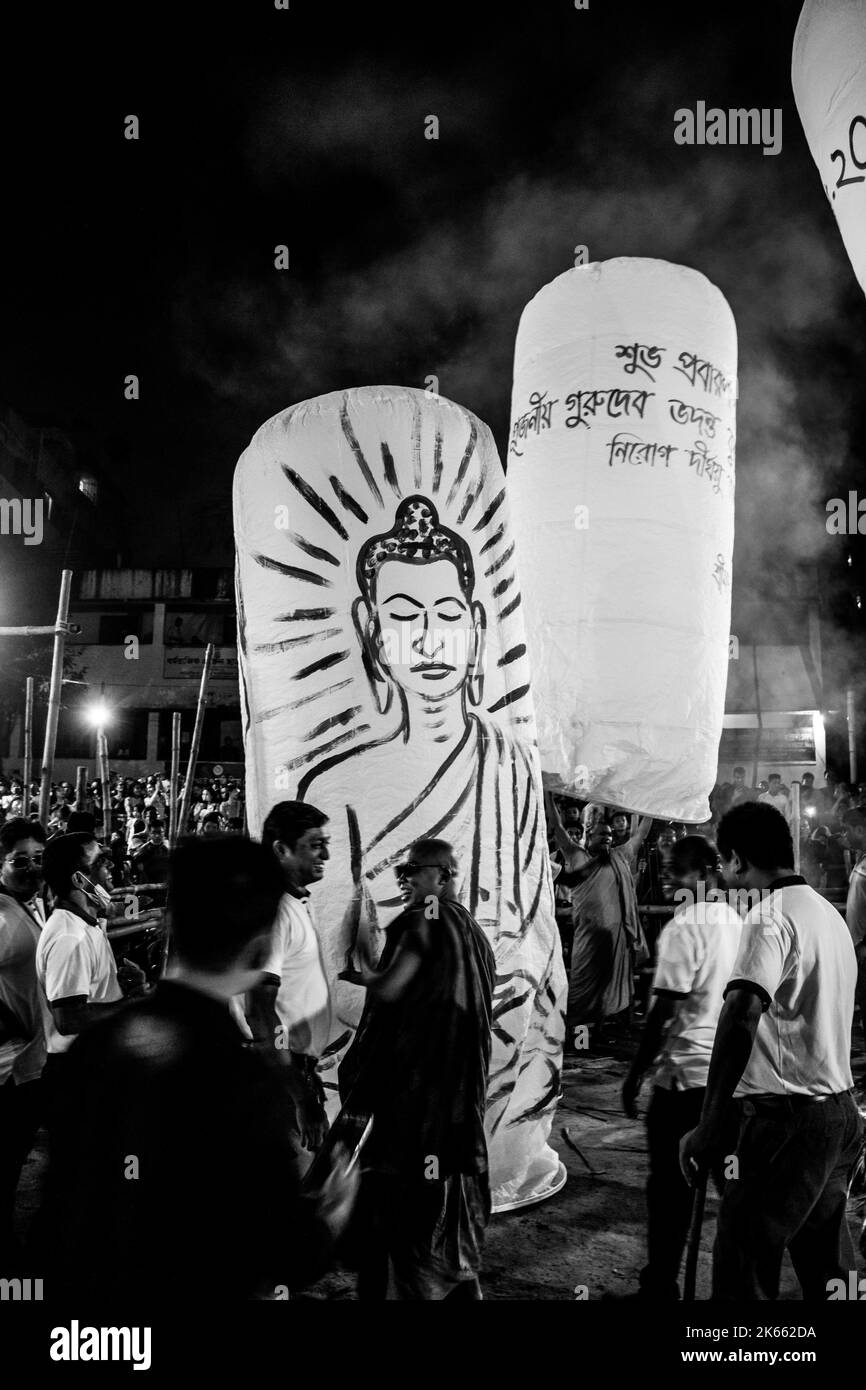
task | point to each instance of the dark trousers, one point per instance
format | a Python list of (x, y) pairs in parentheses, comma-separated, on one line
[(54, 1087), (794, 1159), (20, 1118), (670, 1116)]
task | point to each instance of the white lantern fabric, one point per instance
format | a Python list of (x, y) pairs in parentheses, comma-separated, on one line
[(828, 73), (408, 715), (621, 481)]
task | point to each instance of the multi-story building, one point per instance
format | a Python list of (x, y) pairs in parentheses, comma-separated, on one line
[(139, 654), (778, 686)]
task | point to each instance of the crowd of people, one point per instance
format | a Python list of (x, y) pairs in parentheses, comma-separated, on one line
[(189, 1113), (207, 1082), (138, 821), (824, 824)]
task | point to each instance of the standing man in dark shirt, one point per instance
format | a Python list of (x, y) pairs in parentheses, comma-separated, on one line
[(174, 1137), (419, 1066)]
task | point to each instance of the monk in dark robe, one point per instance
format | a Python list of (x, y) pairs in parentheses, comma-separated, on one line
[(419, 1065)]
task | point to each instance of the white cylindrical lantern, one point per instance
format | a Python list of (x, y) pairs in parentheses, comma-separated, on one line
[(385, 680), (621, 481), (828, 73)]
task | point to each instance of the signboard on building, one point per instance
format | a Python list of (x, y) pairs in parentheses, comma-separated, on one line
[(787, 745), (185, 663)]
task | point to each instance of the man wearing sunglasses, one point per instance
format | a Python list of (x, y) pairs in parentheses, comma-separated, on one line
[(22, 1042), (419, 1065)]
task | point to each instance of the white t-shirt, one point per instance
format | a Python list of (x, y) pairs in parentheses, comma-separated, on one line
[(20, 1057), (779, 800), (73, 958), (303, 1001), (796, 947), (696, 953)]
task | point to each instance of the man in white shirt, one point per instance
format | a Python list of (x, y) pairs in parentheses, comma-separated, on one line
[(854, 837), (79, 982), (22, 1042), (291, 1009), (783, 1049), (695, 955), (775, 795)]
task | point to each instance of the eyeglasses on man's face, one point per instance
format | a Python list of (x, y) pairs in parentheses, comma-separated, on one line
[(410, 869), (23, 861)]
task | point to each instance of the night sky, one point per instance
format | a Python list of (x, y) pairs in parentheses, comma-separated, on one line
[(408, 257)]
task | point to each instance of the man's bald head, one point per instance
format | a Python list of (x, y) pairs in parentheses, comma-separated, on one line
[(430, 871), (434, 852)]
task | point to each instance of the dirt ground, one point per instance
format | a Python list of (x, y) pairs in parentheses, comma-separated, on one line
[(591, 1233)]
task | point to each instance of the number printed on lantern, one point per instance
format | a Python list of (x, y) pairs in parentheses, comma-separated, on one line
[(858, 163)]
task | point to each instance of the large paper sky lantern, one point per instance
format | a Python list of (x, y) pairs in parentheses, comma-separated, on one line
[(621, 483), (828, 73), (385, 679)]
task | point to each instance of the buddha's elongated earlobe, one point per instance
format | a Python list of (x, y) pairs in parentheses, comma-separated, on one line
[(370, 637), (475, 682), (382, 684)]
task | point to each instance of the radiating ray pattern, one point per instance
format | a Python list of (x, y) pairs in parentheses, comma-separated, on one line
[(327, 717)]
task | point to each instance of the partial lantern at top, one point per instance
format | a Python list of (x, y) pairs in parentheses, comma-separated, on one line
[(828, 73)]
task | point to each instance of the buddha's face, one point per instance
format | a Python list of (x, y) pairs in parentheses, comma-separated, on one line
[(426, 625)]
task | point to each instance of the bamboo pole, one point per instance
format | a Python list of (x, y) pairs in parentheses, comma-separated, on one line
[(105, 780), (196, 740), (54, 697), (28, 746), (795, 823), (758, 712), (28, 631), (175, 774), (851, 716), (81, 789)]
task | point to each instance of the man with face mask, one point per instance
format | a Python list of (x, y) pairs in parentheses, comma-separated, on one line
[(78, 979), (22, 1041)]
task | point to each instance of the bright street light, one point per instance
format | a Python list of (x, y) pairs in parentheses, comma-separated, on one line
[(98, 715)]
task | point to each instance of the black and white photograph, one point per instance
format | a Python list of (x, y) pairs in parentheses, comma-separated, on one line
[(432, 683)]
